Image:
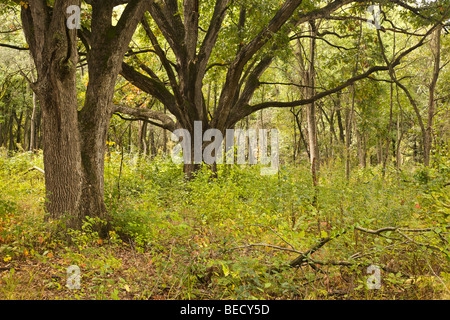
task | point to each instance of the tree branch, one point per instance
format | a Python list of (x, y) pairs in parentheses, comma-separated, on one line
[(250, 109), (11, 46), (166, 121), (151, 86)]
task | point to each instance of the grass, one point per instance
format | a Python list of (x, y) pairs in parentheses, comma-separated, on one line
[(230, 238)]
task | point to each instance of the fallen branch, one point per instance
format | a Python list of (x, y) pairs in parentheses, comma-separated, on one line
[(359, 255), (34, 168), (304, 258), (266, 245), (284, 240), (418, 243)]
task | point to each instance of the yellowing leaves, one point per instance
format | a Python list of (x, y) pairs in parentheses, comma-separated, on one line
[(225, 269), (48, 254)]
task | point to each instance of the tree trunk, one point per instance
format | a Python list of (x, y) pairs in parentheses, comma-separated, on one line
[(339, 118), (153, 149), (19, 129), (61, 147), (399, 140), (311, 108), (348, 135), (94, 123), (74, 143), (12, 145), (164, 133), (388, 138), (428, 137), (361, 148), (143, 137)]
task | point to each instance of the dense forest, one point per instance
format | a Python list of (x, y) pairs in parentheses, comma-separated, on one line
[(136, 138)]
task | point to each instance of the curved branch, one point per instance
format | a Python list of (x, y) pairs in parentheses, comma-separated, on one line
[(144, 114), (153, 87), (243, 112), (10, 46)]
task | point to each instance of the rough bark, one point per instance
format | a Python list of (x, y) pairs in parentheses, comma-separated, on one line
[(108, 45), (53, 48)]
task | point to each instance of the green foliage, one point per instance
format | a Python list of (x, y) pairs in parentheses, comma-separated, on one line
[(233, 236)]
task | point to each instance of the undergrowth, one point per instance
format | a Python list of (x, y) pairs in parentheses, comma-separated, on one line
[(232, 237)]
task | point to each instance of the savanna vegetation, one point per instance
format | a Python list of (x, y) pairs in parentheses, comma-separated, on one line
[(359, 207)]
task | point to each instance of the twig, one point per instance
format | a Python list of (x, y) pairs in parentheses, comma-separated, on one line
[(377, 232), (9, 269), (284, 240), (34, 168), (358, 255), (418, 243), (304, 257), (446, 288), (266, 245)]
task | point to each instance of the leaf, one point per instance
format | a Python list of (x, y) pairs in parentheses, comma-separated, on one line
[(226, 270)]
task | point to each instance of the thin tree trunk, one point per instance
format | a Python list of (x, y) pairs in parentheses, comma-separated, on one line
[(339, 118), (153, 149), (294, 152), (361, 148), (388, 138), (143, 137), (19, 129), (428, 139), (12, 145), (399, 140), (311, 108), (348, 134), (350, 114), (164, 133)]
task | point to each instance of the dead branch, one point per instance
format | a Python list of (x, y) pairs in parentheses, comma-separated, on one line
[(34, 168), (266, 245)]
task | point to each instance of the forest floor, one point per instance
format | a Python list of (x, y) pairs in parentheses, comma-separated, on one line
[(234, 237)]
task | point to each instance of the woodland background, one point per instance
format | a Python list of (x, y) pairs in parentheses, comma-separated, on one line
[(364, 121)]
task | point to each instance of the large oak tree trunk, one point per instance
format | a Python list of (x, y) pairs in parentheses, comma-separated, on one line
[(54, 51), (62, 160), (94, 123), (75, 142)]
